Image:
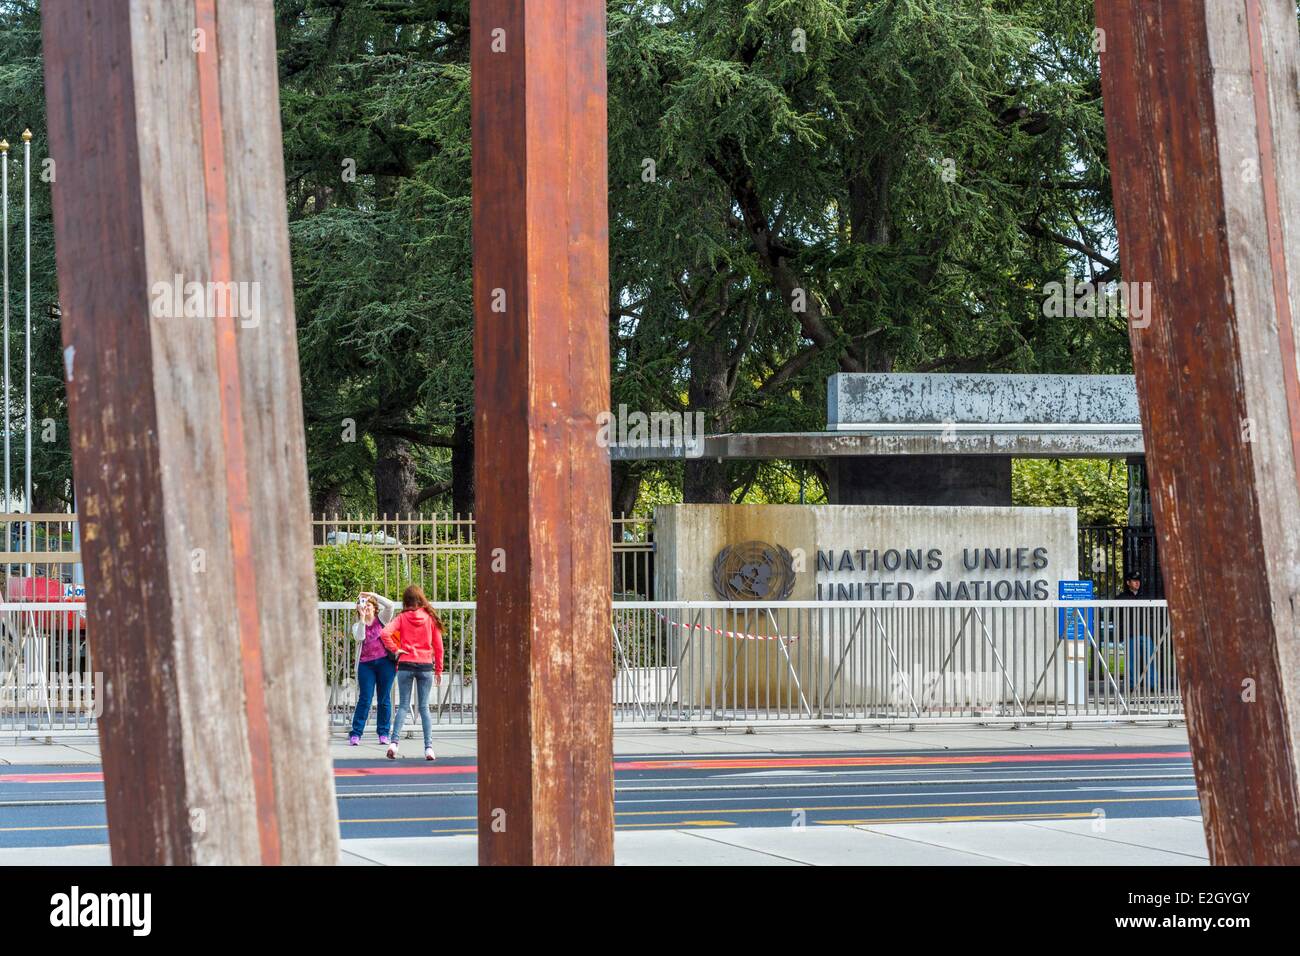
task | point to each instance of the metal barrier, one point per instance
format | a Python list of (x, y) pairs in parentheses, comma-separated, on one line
[(437, 552), (706, 664), (894, 662), (48, 682)]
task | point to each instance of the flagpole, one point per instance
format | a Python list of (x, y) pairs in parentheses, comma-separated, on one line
[(27, 264)]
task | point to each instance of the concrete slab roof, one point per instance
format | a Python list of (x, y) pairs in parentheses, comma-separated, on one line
[(1017, 442), (1021, 416)]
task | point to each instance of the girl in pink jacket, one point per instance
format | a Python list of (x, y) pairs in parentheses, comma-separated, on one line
[(414, 640)]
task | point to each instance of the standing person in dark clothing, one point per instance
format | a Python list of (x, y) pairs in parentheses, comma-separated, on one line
[(1132, 589), (1131, 629)]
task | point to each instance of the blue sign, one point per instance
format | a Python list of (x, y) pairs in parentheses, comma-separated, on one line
[(1074, 625)]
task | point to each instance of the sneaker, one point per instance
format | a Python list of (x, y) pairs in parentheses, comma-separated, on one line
[(354, 740), (429, 754), (392, 750), (383, 739)]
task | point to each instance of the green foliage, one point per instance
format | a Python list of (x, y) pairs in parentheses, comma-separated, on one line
[(344, 571), (22, 106), (917, 170), (1097, 488)]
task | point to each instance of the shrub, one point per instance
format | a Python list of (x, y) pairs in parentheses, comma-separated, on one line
[(343, 571)]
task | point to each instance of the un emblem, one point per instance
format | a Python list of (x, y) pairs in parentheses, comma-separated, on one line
[(753, 571)]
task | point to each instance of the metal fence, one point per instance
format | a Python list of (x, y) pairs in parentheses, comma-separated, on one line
[(47, 680), (40, 556), (437, 552), (691, 664), (887, 662)]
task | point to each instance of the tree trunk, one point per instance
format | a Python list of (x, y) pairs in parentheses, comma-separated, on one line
[(705, 479), (625, 487), (47, 499), (462, 468), (326, 502), (395, 485)]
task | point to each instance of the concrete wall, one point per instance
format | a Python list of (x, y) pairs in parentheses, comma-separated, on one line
[(896, 654)]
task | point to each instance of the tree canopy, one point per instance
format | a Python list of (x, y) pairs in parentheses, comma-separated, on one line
[(797, 187)]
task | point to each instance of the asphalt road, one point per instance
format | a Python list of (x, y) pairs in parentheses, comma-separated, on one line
[(63, 806)]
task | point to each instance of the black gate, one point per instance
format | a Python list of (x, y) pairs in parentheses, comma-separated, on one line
[(1108, 552)]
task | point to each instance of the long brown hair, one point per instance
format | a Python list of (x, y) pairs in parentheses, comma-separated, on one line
[(413, 597)]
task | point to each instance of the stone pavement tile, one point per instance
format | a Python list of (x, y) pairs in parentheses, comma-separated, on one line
[(647, 742), (1018, 842), (47, 754), (830, 741), (457, 850), (371, 749), (347, 858), (678, 743), (55, 856), (845, 846), (1126, 736), (1184, 835), (668, 847)]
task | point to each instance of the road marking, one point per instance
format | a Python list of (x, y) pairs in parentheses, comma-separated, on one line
[(70, 826), (912, 806), (409, 820), (953, 793), (882, 806), (964, 819), (733, 763), (754, 763), (679, 823)]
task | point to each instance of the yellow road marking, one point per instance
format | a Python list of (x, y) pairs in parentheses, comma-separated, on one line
[(729, 811)]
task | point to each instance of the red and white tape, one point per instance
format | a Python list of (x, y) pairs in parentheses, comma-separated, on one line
[(726, 633)]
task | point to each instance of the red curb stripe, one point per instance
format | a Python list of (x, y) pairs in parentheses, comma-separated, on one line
[(741, 763)]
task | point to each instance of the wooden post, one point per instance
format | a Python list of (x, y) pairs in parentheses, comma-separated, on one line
[(541, 364), (187, 433), (1203, 125)]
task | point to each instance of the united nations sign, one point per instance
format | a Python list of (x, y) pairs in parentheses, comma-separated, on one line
[(753, 571)]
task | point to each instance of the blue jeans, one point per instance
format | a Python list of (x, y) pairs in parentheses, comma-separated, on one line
[(423, 681), (372, 676), (1139, 654)]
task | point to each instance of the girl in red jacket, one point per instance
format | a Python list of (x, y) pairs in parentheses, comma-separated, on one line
[(414, 640)]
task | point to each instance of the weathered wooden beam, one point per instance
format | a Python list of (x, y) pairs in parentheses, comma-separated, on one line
[(541, 364), (1203, 125), (187, 434)]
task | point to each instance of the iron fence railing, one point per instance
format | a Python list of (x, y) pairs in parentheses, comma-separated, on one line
[(689, 664), (437, 552), (39, 556)]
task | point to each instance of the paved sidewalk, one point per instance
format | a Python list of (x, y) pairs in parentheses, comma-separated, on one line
[(1152, 841), (676, 742)]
